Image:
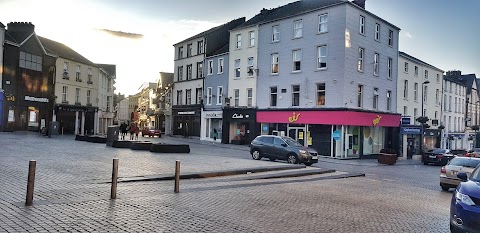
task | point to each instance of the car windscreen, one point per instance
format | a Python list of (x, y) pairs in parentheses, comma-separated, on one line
[(475, 175), (439, 151), (464, 162), (292, 142)]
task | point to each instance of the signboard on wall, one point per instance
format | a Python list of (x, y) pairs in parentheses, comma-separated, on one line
[(336, 135), (11, 115)]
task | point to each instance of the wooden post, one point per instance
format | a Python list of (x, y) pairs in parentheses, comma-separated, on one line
[(31, 182), (177, 176), (113, 192)]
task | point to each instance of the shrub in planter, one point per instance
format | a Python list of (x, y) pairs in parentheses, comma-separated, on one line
[(387, 156)]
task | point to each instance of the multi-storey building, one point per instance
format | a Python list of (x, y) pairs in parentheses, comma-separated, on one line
[(106, 111), (133, 107), (123, 115), (453, 114), (27, 80), (419, 85), (163, 92), (188, 77), (328, 76), (147, 105), (216, 86), (76, 89)]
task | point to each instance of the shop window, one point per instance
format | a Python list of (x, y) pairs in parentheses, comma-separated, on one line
[(33, 117)]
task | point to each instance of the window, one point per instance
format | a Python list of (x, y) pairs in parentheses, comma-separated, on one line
[(77, 74), (210, 67), (109, 84), (321, 94), (297, 28), (375, 63), (179, 97), (390, 38), (406, 67), (219, 95), (31, 62), (296, 95), (237, 68), (180, 52), (251, 36), (390, 62), (375, 98), (200, 70), (199, 95), (425, 93), (415, 92), (377, 32), (209, 96), (109, 100), (389, 100), (450, 87), (180, 73), (426, 73), (322, 57), (438, 78), (275, 33), (405, 110), (437, 96), (236, 94), (405, 89), (239, 41), (445, 102), (64, 94), (273, 96), (249, 97), (362, 25), (188, 93), (361, 52), (297, 60), (456, 89), (360, 96), (89, 95), (189, 50), (220, 66), (415, 114), (77, 95), (250, 66), (189, 72), (322, 23), (199, 47), (90, 75), (455, 106), (275, 63)]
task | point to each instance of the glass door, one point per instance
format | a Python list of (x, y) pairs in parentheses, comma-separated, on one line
[(298, 134)]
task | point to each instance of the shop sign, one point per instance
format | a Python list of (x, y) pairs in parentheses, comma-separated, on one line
[(410, 130), (213, 115), (35, 99), (300, 135), (11, 115), (187, 113), (336, 135), (237, 116), (294, 118), (377, 120), (405, 120)]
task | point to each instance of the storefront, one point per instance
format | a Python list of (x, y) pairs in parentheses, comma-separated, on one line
[(76, 119), (211, 123), (26, 113), (239, 125), (341, 134), (432, 138), (459, 141), (186, 120), (410, 143)]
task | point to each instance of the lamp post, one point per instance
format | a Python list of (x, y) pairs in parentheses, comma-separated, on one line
[(423, 124)]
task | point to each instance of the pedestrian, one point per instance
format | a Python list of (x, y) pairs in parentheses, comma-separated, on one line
[(123, 130), (215, 134), (137, 131), (132, 131)]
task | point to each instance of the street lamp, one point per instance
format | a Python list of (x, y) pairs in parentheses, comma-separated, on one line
[(423, 124)]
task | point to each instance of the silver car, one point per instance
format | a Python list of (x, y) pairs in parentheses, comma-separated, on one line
[(448, 173)]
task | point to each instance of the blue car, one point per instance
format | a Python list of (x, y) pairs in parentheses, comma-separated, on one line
[(465, 205)]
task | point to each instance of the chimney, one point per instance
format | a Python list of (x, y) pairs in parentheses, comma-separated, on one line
[(360, 3), (21, 27), (454, 73)]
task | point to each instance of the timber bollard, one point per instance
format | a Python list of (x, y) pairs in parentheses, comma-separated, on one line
[(31, 182), (177, 176), (113, 192)]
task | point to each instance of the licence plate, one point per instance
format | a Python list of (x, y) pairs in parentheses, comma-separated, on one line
[(454, 172), (432, 156), (314, 157)]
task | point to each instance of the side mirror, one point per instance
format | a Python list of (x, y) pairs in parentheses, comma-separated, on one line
[(462, 176)]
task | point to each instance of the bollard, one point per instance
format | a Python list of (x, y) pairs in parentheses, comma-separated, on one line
[(113, 192), (31, 182), (177, 176)]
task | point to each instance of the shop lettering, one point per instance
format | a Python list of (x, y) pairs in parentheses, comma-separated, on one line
[(237, 116), (294, 118), (35, 99), (377, 120), (186, 113)]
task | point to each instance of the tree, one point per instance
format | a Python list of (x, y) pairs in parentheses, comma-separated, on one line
[(441, 127), (422, 119), (475, 127)]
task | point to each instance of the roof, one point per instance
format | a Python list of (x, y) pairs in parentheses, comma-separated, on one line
[(222, 50), (1, 25), (467, 80), (63, 51), (10, 38), (204, 33), (454, 80), (111, 69), (405, 55)]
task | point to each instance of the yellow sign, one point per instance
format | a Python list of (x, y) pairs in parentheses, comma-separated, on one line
[(294, 118), (309, 141), (377, 120), (300, 135)]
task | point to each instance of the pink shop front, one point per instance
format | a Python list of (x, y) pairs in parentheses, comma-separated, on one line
[(335, 133)]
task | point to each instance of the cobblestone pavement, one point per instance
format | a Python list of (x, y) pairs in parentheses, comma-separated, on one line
[(70, 198)]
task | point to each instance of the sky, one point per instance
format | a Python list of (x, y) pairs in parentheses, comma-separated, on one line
[(138, 36)]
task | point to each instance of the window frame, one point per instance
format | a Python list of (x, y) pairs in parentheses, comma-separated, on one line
[(406, 67), (236, 97), (405, 89), (210, 67), (65, 94), (180, 52), (209, 95), (377, 32), (375, 98), (275, 62), (219, 95), (390, 38), (361, 58), (361, 28), (189, 72), (220, 65), (294, 57), (376, 64), (275, 33), (249, 97), (319, 93), (390, 68), (389, 100), (319, 57), (251, 42), (200, 69), (320, 23), (77, 95), (189, 49), (250, 65), (360, 90), (180, 73), (273, 96), (238, 41), (415, 92), (297, 27), (295, 95), (188, 96), (237, 68), (200, 47)]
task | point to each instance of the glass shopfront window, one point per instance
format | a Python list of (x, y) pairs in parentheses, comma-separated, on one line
[(373, 139), (216, 124), (32, 117)]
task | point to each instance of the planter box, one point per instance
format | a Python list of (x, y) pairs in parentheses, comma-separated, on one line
[(121, 144), (169, 148), (96, 139), (80, 138), (389, 159), (141, 146), (238, 142)]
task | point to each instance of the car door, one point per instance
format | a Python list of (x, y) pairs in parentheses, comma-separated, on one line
[(280, 151), (267, 148)]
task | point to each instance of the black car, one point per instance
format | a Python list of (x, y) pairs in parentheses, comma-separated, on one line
[(437, 156), (282, 148)]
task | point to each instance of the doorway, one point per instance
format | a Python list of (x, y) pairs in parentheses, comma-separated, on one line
[(298, 134)]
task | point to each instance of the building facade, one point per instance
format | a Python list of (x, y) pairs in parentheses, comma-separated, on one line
[(106, 111), (163, 92), (453, 115), (147, 105), (123, 115), (327, 77)]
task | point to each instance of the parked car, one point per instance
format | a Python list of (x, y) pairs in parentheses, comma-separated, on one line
[(437, 156), (448, 173), (459, 152), (465, 204), (151, 132), (475, 152), (282, 148)]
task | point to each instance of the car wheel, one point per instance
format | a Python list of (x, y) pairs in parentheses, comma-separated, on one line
[(292, 158), (308, 164), (256, 155), (445, 188), (272, 159)]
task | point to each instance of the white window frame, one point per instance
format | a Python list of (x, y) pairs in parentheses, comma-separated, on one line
[(78, 74), (237, 68), (437, 97), (249, 97), (275, 33), (322, 57), (220, 66), (426, 74), (209, 96), (200, 69), (361, 56), (251, 36), (295, 93), (250, 65), (188, 96), (389, 101), (296, 57), (77, 95), (319, 92), (415, 92), (361, 28), (377, 31), (273, 95), (236, 97), (406, 67), (298, 28), (275, 63), (376, 64), (323, 21), (210, 67), (89, 95), (390, 38), (390, 64), (219, 95), (360, 89), (425, 94), (189, 50), (238, 43), (65, 94), (405, 89), (415, 71), (189, 72), (180, 73), (375, 98)]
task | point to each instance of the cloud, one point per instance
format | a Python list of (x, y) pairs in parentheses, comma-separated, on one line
[(407, 34), (127, 35)]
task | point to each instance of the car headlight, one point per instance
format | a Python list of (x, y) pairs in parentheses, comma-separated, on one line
[(465, 199), (303, 152)]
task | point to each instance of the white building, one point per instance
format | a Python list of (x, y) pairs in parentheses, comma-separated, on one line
[(123, 114), (105, 113), (454, 98)]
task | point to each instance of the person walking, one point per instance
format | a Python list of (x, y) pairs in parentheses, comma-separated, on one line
[(123, 130), (132, 131), (137, 131), (215, 134)]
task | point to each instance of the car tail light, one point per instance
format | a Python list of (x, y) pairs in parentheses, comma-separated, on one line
[(467, 155), (443, 170), (440, 156)]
